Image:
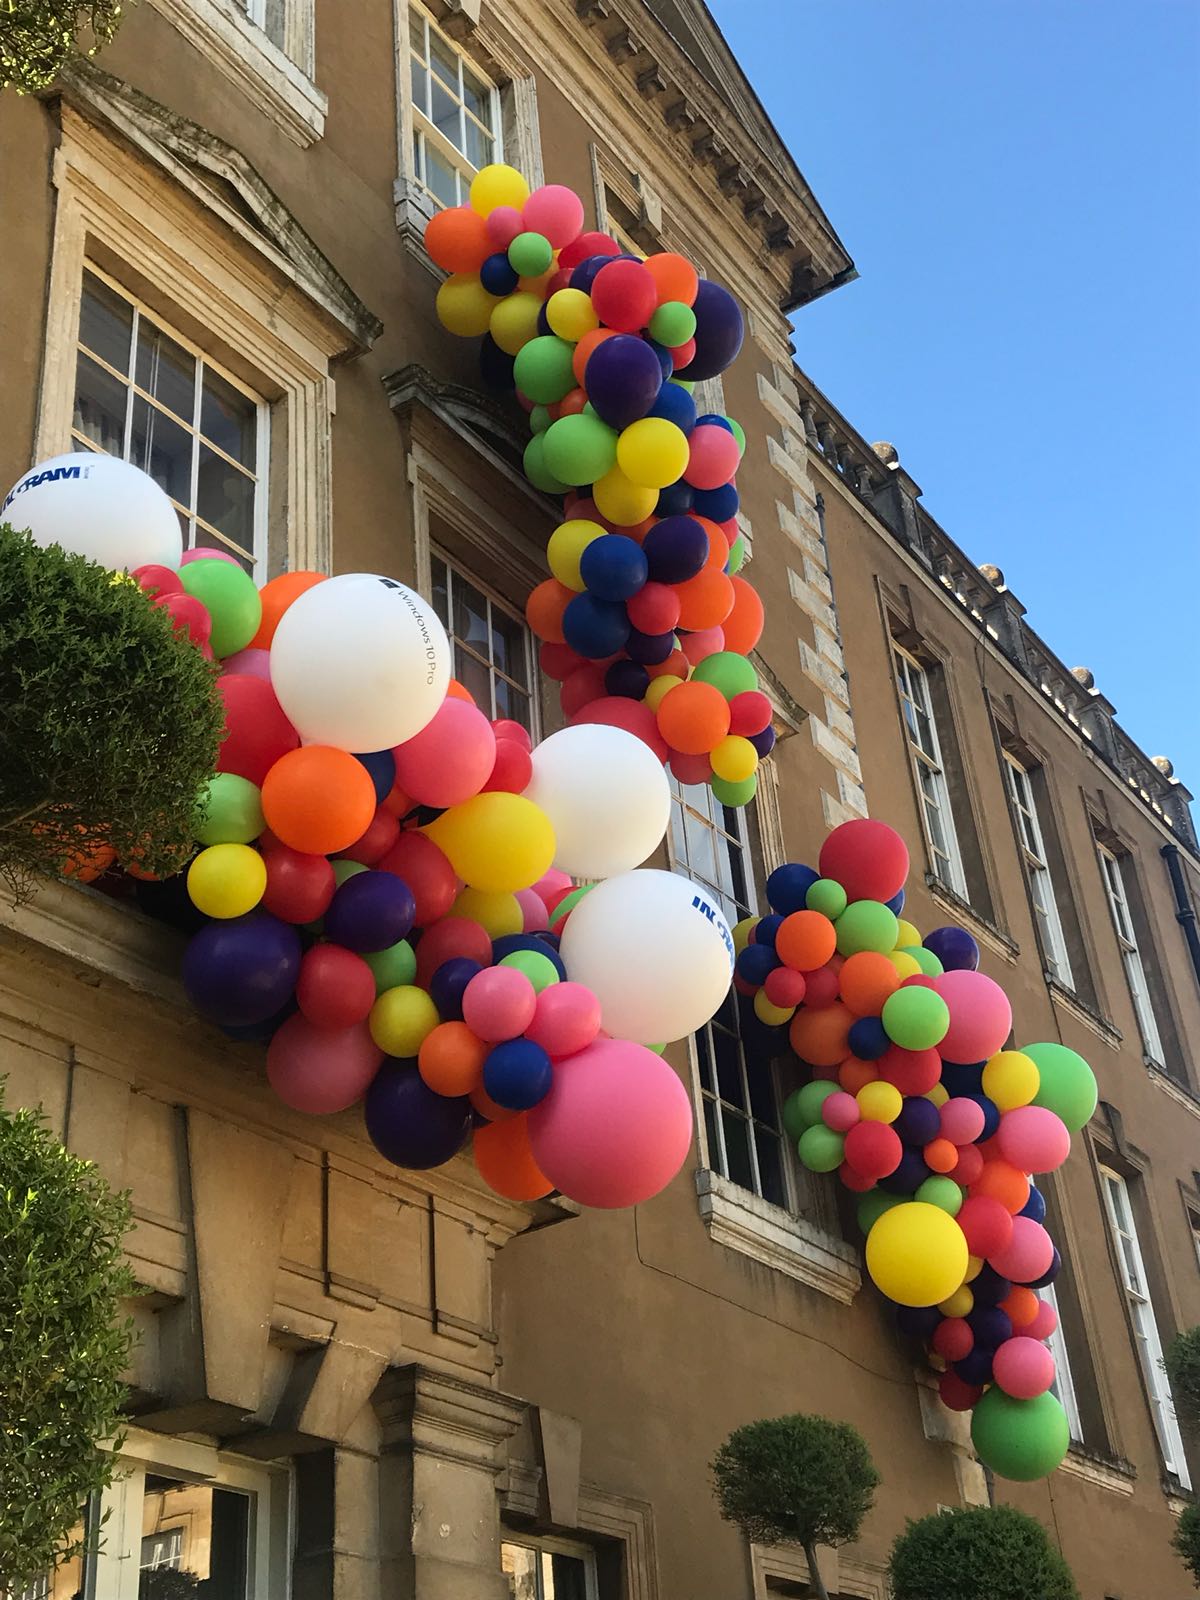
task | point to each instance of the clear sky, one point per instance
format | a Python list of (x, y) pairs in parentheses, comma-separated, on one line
[(1018, 182)]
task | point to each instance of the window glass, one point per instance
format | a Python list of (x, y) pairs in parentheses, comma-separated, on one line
[(548, 1570), (1113, 869), (1051, 939), (937, 819), (195, 1540), (456, 113), (493, 648)]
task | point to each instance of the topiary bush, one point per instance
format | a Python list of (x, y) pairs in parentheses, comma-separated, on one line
[(801, 1479), (1187, 1541), (38, 38), (109, 719), (1182, 1361), (979, 1553), (64, 1344)]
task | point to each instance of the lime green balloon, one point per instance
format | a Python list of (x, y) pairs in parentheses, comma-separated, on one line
[(684, 383), (812, 1097), (826, 896), (579, 449), (393, 967), (539, 419), (820, 1149), (543, 369), (568, 903), (866, 925), (673, 324), (739, 433), (727, 671), (916, 1018), (925, 959), (229, 811), (537, 471), (941, 1192), (872, 1205), (1068, 1084), (530, 254), (658, 1049), (231, 599), (539, 969), (735, 794), (737, 555), (1019, 1439), (346, 869)]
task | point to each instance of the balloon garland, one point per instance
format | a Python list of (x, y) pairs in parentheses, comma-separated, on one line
[(915, 1102), (645, 622)]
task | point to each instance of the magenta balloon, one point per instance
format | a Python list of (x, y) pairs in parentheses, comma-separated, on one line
[(713, 456), (534, 916), (451, 758), (840, 1112), (555, 212), (1045, 1320), (321, 1070), (251, 663), (498, 1004), (202, 554), (615, 1127), (566, 1019), (962, 1120), (1023, 1368), (1027, 1254), (980, 1016), (1034, 1138)]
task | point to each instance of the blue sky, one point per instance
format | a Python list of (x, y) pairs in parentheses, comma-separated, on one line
[(1017, 183)]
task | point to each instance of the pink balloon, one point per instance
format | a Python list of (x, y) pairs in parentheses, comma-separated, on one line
[(451, 758), (204, 554), (1033, 1138), (840, 1112), (551, 888), (705, 642), (503, 226), (615, 1127), (980, 1015), (321, 1070), (566, 1019), (253, 663), (713, 456), (555, 211), (498, 1004), (534, 916), (1023, 1368), (1027, 1255), (1045, 1320), (962, 1120)]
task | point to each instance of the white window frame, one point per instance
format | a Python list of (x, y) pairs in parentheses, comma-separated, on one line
[(1112, 870), (929, 775), (1135, 1285), (1031, 842), (545, 1547), (1063, 1387), (424, 131), (495, 601)]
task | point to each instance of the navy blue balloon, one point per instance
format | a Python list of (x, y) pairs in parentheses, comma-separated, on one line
[(543, 323), (963, 1077), (896, 904), (764, 742), (583, 275), (991, 1115), (623, 378), (676, 499), (918, 1121), (675, 404), (754, 963), (666, 360), (543, 944), (370, 911), (381, 769), (766, 928), (719, 331), (167, 900), (408, 1123), (517, 1074), (595, 628), (917, 1322), (261, 1032), (242, 971), (715, 420), (954, 948), (988, 1287), (1051, 1272), (649, 648), (675, 548), (613, 567), (990, 1325), (867, 1039), (976, 1368), (497, 276), (908, 1176), (627, 680), (496, 366), (448, 983), (788, 885), (1035, 1206), (717, 504)]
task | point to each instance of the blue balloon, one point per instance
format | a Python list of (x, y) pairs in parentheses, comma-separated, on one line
[(517, 1074), (917, 1322), (496, 366), (1035, 1206), (719, 331), (718, 505), (788, 885), (918, 1122), (675, 405), (676, 499), (766, 928), (242, 971), (976, 1368), (675, 548), (381, 769), (1050, 1273), (954, 948), (712, 419), (991, 1114), (260, 1032), (595, 628), (896, 904), (665, 359), (583, 275), (371, 911), (988, 1287), (908, 1176), (543, 323), (754, 962), (649, 648), (990, 1325), (497, 276), (543, 944), (623, 378), (867, 1039), (626, 680), (448, 983), (613, 567), (408, 1123), (963, 1077)]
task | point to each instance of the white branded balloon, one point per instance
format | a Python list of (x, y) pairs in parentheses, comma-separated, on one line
[(656, 951), (607, 796), (96, 506), (361, 662)]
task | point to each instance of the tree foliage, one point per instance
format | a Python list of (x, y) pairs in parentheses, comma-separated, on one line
[(39, 37), (64, 1344), (1187, 1541), (979, 1553), (1182, 1361), (109, 719)]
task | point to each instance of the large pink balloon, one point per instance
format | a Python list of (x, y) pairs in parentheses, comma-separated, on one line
[(1023, 1368), (1027, 1255), (451, 758), (616, 1126), (321, 1070), (980, 1016), (1033, 1138)]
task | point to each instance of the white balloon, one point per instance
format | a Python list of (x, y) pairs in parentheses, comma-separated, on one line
[(606, 793), (361, 662), (656, 951), (96, 506)]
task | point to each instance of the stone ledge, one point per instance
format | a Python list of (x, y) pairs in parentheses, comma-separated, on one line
[(1100, 1471), (995, 938), (766, 1233)]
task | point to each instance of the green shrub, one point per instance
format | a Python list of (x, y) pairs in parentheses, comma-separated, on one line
[(109, 719), (979, 1554), (1182, 1361), (1187, 1541), (38, 38)]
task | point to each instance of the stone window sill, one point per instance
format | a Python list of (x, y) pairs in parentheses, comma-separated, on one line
[(1080, 1009), (1103, 1472), (766, 1233)]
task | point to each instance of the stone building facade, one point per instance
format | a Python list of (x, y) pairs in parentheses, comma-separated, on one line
[(362, 1383)]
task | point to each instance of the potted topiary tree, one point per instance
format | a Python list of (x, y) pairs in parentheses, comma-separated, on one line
[(979, 1553), (798, 1479), (38, 38)]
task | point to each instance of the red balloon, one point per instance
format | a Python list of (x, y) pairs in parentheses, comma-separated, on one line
[(299, 887), (451, 936), (969, 1166), (868, 859), (425, 869), (189, 615), (911, 1071), (585, 685), (749, 712), (986, 1225), (957, 1395), (634, 716), (157, 580), (513, 768), (506, 728), (321, 1070), (588, 244), (953, 1338), (256, 731), (624, 296), (853, 1180), (558, 661), (873, 1149), (691, 770), (381, 834), (336, 988), (821, 988), (654, 609)]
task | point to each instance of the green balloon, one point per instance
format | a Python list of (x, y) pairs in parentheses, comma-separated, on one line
[(925, 959), (346, 869), (737, 555), (735, 794), (543, 369), (1068, 1084), (941, 1192), (809, 1100), (1019, 1439), (684, 383), (866, 925), (916, 1018), (539, 419), (826, 896), (739, 433), (657, 1048), (820, 1149), (392, 967), (673, 324), (536, 469), (539, 969), (569, 902), (231, 599), (727, 671), (530, 254), (580, 449), (229, 811), (873, 1204)]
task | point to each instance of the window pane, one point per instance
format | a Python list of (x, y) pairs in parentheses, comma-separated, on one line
[(444, 61), (100, 406), (762, 1092), (416, 34), (770, 1166), (737, 1150), (470, 615), (512, 703), (440, 578), (710, 1130), (566, 1578), (275, 21), (420, 87), (440, 177), (729, 1066), (225, 497), (704, 1057), (105, 322), (474, 676), (163, 449), (193, 1529), (520, 1566), (445, 115), (480, 147), (166, 370), (508, 645), (229, 418), (477, 97)]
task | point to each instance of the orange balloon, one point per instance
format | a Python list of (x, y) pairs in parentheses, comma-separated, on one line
[(705, 600), (571, 404), (1021, 1304), (744, 624), (451, 1059), (505, 1160), (458, 240), (675, 278), (318, 799), (459, 691), (940, 1155), (821, 1037), (865, 982), (86, 864), (397, 802), (693, 718), (583, 350), (276, 597), (718, 544), (1004, 1182), (544, 610), (487, 1107), (805, 940), (676, 665), (854, 1074)]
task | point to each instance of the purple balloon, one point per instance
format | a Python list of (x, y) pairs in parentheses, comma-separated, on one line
[(242, 971), (649, 648), (954, 948), (917, 1322), (408, 1123), (764, 742), (675, 548), (918, 1121), (448, 984), (908, 1176), (719, 332), (627, 680), (622, 379), (371, 911)]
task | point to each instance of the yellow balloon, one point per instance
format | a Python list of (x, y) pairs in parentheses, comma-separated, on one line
[(540, 284), (879, 1101), (514, 321), (743, 929), (1011, 1079), (907, 934), (567, 544), (939, 1094), (974, 1267), (917, 1254), (735, 759), (498, 185), (227, 880), (401, 1018), (904, 965), (464, 306), (498, 842), (773, 1016), (660, 688), (623, 503), (652, 453), (959, 1304), (571, 314), (498, 914)]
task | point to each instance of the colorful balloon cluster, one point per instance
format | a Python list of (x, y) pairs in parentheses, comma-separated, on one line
[(645, 622), (916, 1101)]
